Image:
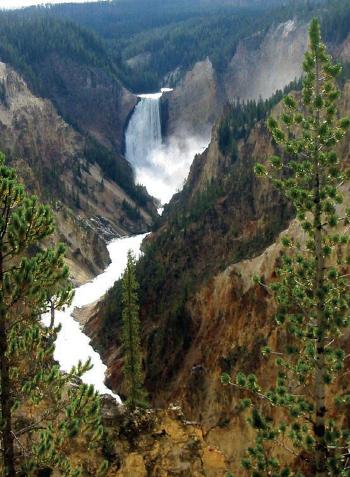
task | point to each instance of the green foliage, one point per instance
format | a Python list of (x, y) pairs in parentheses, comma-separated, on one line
[(335, 23), (131, 338), (204, 201), (201, 203), (27, 40), (176, 34), (42, 410), (239, 119), (312, 290)]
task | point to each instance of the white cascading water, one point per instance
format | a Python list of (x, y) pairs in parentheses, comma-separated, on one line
[(72, 344), (161, 167), (144, 133)]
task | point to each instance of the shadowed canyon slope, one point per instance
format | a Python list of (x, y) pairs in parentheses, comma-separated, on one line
[(87, 97), (70, 66)]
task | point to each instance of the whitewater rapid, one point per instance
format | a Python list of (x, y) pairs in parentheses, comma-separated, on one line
[(72, 344)]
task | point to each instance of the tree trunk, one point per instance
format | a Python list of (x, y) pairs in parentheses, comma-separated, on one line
[(131, 344), (320, 388), (52, 314), (6, 400)]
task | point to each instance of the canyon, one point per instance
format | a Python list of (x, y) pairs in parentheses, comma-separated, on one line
[(108, 162)]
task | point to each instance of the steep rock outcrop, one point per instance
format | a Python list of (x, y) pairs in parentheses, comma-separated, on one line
[(162, 443), (266, 62), (149, 443), (195, 103), (344, 50), (262, 64)]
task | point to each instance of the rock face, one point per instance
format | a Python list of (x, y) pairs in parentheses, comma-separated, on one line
[(50, 158), (344, 50), (267, 62), (195, 103), (156, 443), (262, 64)]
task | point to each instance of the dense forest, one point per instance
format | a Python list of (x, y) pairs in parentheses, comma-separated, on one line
[(239, 118), (145, 48), (27, 39), (141, 50)]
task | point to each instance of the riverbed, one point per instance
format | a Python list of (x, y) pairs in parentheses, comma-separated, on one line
[(72, 344)]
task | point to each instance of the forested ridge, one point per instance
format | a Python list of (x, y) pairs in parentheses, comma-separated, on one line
[(25, 40), (26, 43), (169, 35)]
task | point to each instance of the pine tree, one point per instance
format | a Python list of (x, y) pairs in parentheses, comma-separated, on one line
[(131, 338), (42, 410), (301, 413)]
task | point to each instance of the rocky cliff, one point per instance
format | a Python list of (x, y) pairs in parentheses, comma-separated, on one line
[(262, 64), (51, 158), (158, 443), (266, 62), (196, 101), (150, 443)]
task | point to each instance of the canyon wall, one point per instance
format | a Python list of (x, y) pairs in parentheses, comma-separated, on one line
[(266, 62), (50, 157), (88, 98), (261, 64), (201, 312)]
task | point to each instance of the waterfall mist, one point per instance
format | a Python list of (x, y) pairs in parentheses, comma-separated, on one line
[(162, 168), (168, 166)]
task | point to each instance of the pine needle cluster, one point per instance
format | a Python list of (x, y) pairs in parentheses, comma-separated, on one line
[(43, 411)]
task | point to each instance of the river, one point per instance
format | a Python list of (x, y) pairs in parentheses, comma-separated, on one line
[(72, 344)]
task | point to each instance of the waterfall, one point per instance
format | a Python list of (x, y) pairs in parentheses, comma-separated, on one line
[(144, 134), (161, 167)]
